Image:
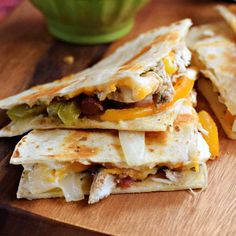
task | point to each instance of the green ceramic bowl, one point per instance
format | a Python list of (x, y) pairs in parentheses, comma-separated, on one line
[(89, 21)]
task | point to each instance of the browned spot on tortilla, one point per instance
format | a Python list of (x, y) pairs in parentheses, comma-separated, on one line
[(230, 63), (151, 149), (211, 57), (170, 36), (116, 146), (21, 142), (85, 151), (16, 153), (23, 139), (54, 156), (216, 43), (83, 139), (37, 146), (73, 148), (156, 137), (74, 151), (131, 67), (50, 149), (76, 136), (183, 119), (177, 129), (40, 92)]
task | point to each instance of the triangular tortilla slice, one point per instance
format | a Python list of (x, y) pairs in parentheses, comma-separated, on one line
[(214, 52), (131, 83), (155, 122)]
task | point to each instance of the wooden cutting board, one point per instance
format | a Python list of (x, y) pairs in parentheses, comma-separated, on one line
[(29, 56)]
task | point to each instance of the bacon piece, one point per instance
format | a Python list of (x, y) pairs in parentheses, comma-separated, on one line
[(125, 182), (91, 106)]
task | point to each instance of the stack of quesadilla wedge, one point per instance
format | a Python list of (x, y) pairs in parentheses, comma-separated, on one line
[(126, 125), (214, 52), (62, 162)]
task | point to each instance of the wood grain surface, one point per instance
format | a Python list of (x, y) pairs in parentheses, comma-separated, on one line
[(29, 56)]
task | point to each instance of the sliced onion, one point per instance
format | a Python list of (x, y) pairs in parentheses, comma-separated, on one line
[(40, 180), (133, 146), (71, 187)]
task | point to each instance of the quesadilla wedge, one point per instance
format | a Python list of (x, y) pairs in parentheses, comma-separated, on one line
[(214, 51), (140, 79), (70, 161)]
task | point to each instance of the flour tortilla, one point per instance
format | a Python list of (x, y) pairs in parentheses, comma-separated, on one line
[(118, 77), (130, 60), (214, 46)]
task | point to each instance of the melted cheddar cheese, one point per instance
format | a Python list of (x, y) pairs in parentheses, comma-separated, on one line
[(60, 173), (183, 87), (212, 137), (170, 66), (135, 174)]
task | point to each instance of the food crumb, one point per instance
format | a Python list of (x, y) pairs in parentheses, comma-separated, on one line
[(69, 59)]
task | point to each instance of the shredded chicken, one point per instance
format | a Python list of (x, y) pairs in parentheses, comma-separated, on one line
[(166, 90), (182, 58), (102, 186)]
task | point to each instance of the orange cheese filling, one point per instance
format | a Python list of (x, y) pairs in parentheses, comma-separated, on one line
[(195, 164), (169, 64), (182, 88), (135, 174), (212, 137), (69, 167)]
